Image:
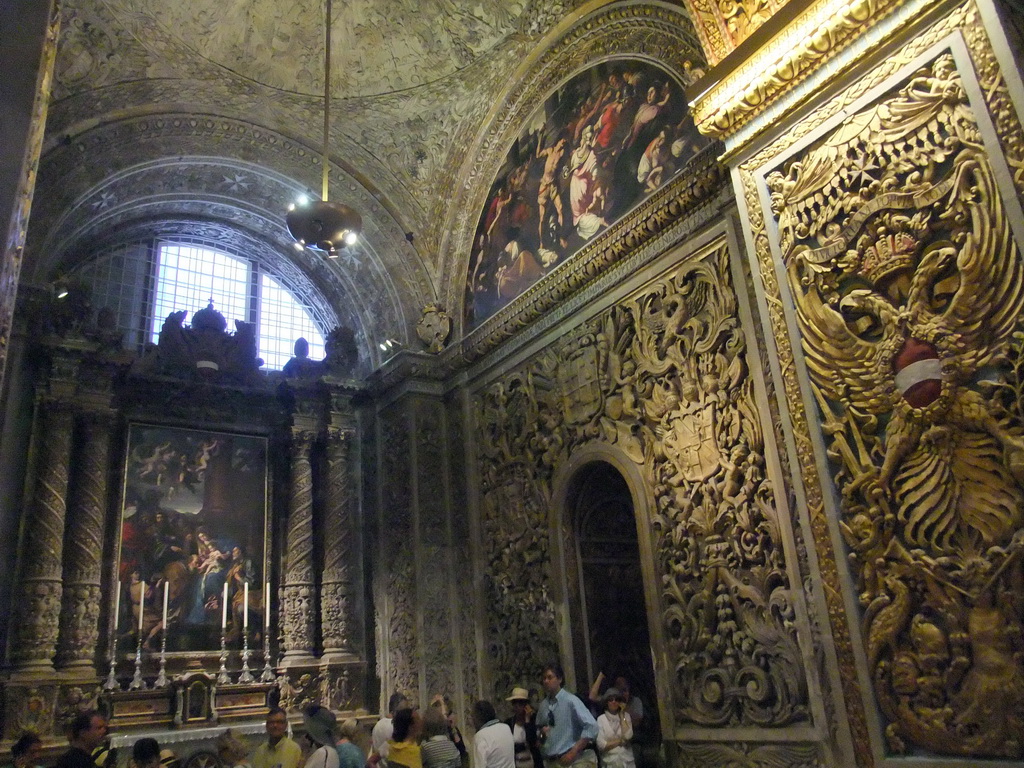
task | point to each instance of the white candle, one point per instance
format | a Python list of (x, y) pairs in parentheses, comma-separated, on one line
[(117, 604), (142, 604), (266, 602), (245, 606), (224, 609), (166, 587)]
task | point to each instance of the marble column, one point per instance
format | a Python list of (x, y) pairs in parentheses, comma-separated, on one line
[(80, 612), (298, 598), (38, 593), (336, 583)]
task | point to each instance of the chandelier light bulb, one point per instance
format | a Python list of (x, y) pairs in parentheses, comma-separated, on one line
[(351, 237)]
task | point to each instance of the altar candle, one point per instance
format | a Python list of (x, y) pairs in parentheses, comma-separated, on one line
[(224, 609), (245, 606), (266, 604), (117, 604), (142, 605), (166, 587)]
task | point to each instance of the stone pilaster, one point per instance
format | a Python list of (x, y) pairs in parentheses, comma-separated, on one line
[(80, 612), (39, 590), (337, 579), (297, 604)]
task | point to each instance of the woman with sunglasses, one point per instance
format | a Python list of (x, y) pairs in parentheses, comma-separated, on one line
[(615, 732)]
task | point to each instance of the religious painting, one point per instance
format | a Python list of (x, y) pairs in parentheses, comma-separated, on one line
[(193, 525), (600, 144)]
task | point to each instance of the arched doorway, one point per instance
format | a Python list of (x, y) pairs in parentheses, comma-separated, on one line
[(610, 631)]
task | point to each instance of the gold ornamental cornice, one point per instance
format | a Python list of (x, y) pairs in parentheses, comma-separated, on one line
[(728, 101)]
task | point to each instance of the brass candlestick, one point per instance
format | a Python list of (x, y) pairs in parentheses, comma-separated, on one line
[(137, 682), (161, 679), (268, 671), (246, 676), (222, 676)]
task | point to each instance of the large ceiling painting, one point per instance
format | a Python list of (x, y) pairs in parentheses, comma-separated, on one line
[(601, 143)]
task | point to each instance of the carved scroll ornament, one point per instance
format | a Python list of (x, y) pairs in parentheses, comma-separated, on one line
[(663, 376), (909, 289)]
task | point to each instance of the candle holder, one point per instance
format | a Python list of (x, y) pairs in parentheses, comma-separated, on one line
[(161, 679), (111, 683), (268, 671), (222, 677), (246, 676), (137, 682)]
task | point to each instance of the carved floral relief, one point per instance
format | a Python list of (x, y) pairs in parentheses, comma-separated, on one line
[(663, 375), (908, 290)]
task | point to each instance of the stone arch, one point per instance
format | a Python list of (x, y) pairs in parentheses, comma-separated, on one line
[(651, 32), (124, 174), (564, 567)]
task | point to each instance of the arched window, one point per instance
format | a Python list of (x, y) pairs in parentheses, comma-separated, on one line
[(144, 281)]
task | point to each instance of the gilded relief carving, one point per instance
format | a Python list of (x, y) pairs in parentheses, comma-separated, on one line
[(908, 290), (813, 39), (662, 375), (400, 645)]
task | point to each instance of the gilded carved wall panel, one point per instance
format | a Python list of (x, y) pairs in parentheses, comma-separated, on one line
[(907, 287), (395, 569), (663, 375), (434, 584)]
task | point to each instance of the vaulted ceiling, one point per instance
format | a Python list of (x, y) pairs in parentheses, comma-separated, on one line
[(208, 113)]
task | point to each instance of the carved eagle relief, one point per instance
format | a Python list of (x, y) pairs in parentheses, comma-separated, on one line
[(908, 290), (908, 347)]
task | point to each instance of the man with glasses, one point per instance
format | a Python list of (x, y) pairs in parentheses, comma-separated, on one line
[(567, 728), (278, 751)]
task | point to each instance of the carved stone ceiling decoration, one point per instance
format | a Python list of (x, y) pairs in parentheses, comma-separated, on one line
[(408, 79)]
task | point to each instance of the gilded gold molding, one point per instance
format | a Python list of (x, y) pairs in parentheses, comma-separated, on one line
[(723, 24), (814, 38)]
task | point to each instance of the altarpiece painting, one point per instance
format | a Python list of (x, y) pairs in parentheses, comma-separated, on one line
[(194, 518)]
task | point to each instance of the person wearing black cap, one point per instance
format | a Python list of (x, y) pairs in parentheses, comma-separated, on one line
[(524, 730), (320, 725)]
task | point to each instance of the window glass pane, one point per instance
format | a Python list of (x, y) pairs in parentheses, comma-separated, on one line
[(282, 321), (189, 277)]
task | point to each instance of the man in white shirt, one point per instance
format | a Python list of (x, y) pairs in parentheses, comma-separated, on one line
[(493, 746), (384, 728)]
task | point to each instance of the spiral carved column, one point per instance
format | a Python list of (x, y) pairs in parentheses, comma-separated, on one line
[(298, 592), (39, 602), (337, 581), (80, 612)]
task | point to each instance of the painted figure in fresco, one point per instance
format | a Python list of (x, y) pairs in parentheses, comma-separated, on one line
[(646, 114), (573, 171), (548, 191)]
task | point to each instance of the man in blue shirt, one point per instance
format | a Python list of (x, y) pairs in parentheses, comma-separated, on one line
[(567, 728)]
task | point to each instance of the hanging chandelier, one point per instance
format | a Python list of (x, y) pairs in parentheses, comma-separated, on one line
[(323, 224)]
